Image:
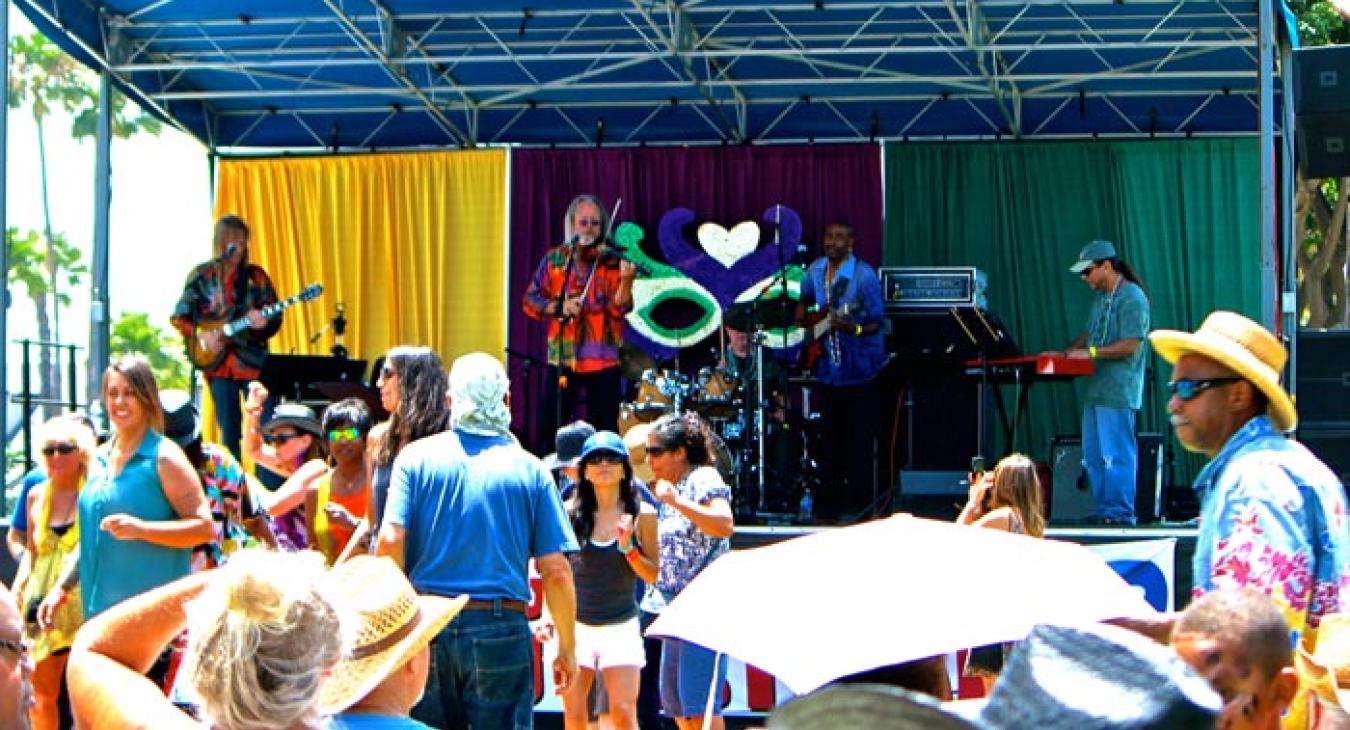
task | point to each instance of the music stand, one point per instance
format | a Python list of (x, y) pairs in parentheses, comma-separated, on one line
[(293, 377)]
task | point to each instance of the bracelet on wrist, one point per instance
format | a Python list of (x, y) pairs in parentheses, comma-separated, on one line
[(857, 330), (1092, 352), (625, 550)]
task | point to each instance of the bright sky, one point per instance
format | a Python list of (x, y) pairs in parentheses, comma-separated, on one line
[(160, 218)]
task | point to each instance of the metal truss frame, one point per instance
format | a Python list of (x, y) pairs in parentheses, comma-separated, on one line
[(386, 73)]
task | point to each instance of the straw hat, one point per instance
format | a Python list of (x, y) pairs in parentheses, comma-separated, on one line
[(1326, 671), (395, 624), (1243, 346)]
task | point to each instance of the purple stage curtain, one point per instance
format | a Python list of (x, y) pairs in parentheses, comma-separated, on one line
[(726, 185)]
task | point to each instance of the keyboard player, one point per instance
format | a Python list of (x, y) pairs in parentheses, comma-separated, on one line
[(1114, 339)]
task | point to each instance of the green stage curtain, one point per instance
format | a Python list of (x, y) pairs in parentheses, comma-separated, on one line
[(1184, 213)]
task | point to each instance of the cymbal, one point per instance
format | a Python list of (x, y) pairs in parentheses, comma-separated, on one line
[(337, 390), (767, 313)]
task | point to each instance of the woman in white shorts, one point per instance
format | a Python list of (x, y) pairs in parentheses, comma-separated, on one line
[(617, 533)]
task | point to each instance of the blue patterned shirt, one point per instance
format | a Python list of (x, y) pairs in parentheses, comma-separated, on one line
[(849, 359), (1272, 516)]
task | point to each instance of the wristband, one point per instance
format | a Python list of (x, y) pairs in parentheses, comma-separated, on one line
[(622, 551), (857, 330), (1092, 352)]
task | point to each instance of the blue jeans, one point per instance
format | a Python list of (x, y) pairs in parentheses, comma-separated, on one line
[(1111, 460), (482, 673)]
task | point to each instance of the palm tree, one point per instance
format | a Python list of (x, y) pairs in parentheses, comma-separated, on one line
[(46, 79)]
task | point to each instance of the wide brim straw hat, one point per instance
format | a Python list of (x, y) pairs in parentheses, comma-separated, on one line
[(1242, 346), (1326, 671), (394, 624)]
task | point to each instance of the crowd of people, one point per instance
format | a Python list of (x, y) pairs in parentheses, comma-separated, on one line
[(386, 581)]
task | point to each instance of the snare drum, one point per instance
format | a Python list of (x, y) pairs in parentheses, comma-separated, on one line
[(718, 395)]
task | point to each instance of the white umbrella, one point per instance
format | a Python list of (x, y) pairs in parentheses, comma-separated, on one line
[(837, 602)]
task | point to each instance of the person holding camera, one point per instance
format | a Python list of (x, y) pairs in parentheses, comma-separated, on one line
[(1008, 499)]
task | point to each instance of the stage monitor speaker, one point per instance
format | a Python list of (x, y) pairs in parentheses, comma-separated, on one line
[(945, 417), (1332, 446), (1322, 378), (1071, 499), (1322, 108)]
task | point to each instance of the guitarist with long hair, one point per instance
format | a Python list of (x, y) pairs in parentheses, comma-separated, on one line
[(222, 290)]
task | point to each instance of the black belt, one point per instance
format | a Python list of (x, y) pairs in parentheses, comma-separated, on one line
[(505, 604)]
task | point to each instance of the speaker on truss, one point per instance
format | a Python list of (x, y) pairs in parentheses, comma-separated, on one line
[(1322, 110)]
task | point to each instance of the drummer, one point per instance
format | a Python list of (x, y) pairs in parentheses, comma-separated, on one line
[(739, 360)]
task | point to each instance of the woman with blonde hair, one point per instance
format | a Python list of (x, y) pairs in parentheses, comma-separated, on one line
[(53, 546), (1007, 499), (263, 631)]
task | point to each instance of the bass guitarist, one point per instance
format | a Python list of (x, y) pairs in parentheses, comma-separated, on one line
[(848, 292), (226, 288)]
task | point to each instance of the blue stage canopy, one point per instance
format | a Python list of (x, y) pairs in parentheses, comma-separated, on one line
[(325, 74)]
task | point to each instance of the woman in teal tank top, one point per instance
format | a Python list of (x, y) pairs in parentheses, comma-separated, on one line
[(142, 508)]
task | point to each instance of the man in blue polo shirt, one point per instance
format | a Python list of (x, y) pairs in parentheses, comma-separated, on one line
[(467, 510)]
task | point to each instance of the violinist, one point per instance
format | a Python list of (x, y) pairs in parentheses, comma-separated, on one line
[(583, 290)]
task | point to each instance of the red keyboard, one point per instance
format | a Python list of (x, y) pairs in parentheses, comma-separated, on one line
[(1034, 366)]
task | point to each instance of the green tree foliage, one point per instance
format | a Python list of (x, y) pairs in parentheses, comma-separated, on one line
[(1319, 23), (134, 333)]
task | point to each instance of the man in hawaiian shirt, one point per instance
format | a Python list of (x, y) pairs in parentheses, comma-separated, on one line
[(1272, 516)]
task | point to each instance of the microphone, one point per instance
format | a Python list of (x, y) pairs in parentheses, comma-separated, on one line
[(574, 240), (801, 255), (229, 251)]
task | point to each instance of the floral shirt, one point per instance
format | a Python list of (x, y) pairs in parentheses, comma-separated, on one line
[(686, 550), (590, 341), (231, 503), (206, 297), (1273, 517)]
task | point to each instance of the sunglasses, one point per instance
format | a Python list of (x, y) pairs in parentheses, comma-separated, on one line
[(278, 439), (18, 648), (589, 221), (342, 435), (387, 372), (1084, 273), (62, 449), (1187, 389), (604, 458), (658, 450)]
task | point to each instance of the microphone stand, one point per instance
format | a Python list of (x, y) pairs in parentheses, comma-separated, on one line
[(526, 361)]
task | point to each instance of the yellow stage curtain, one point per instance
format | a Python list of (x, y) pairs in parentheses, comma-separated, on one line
[(413, 244)]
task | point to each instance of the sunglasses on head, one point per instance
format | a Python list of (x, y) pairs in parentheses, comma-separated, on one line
[(1186, 388), (62, 449), (278, 439), (589, 221), (341, 435)]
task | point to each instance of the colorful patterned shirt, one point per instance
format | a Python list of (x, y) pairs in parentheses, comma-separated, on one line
[(1273, 517), (686, 550), (231, 503), (205, 297), (590, 341)]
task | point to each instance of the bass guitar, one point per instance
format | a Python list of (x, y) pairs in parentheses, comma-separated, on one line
[(206, 352)]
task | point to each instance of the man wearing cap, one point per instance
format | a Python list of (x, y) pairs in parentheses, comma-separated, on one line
[(1116, 327), (384, 674), (467, 510), (567, 445), (1272, 516)]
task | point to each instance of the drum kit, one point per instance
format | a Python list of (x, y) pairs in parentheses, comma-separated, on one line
[(753, 442)]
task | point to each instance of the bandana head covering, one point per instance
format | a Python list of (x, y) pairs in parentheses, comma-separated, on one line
[(478, 387)]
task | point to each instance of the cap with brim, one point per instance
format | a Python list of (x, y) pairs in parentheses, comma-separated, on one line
[(1242, 346), (604, 441), (395, 624), (1093, 252), (182, 424), (297, 416), (567, 445), (870, 706)]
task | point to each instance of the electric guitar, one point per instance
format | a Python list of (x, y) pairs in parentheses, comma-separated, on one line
[(817, 325), (204, 355)]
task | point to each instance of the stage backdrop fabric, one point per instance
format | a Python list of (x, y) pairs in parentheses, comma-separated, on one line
[(413, 245), (726, 185), (1184, 213)]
